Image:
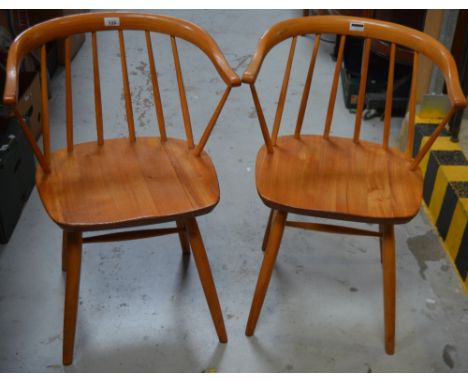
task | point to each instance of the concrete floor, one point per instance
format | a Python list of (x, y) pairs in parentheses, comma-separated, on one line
[(142, 307)]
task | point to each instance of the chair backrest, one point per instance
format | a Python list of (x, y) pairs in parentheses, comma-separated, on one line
[(65, 27), (395, 35)]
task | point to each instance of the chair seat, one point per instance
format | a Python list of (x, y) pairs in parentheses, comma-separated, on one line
[(123, 184), (337, 178)]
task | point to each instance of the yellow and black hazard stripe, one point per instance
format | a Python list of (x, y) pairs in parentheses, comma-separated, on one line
[(445, 193)]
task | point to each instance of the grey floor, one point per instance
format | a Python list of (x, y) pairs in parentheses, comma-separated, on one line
[(142, 307)]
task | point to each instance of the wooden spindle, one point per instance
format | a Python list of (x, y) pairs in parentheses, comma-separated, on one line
[(306, 92), (45, 105), (97, 91), (423, 151), (32, 141), (128, 97), (331, 102), (156, 93), (261, 119), (389, 96), (362, 88), (412, 105), (284, 89), (183, 98), (68, 94), (212, 122)]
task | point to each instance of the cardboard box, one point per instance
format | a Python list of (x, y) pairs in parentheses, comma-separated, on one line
[(29, 101)]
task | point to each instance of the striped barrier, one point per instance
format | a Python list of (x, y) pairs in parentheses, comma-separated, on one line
[(445, 193)]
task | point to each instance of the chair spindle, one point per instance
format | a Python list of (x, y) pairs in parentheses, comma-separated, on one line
[(331, 102), (362, 88), (183, 98), (389, 96), (412, 105), (284, 90), (128, 96), (68, 95), (212, 122), (306, 92), (156, 93), (261, 119), (97, 91), (45, 104)]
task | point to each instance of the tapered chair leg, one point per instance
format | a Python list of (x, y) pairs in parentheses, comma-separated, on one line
[(183, 237), (64, 250), (206, 278), (267, 231), (276, 233), (74, 244), (389, 287)]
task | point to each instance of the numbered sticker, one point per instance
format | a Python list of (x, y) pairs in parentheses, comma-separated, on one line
[(111, 21), (356, 26)]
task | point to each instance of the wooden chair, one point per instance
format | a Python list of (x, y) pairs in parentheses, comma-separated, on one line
[(120, 183), (342, 178)]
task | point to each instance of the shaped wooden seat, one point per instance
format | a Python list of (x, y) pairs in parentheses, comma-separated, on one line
[(154, 182), (336, 178), (343, 178), (119, 183)]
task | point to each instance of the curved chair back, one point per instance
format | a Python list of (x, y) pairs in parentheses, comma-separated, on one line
[(65, 27), (393, 34)]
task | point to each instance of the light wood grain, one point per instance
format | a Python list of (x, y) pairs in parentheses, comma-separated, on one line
[(337, 178), (87, 191)]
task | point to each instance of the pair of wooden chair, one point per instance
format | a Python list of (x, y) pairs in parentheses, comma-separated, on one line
[(119, 183)]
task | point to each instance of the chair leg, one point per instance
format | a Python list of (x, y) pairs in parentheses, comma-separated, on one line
[(206, 278), (64, 250), (276, 233), (183, 237), (389, 281), (73, 249), (267, 231), (381, 228)]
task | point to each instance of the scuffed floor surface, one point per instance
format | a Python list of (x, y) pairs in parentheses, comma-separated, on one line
[(141, 304)]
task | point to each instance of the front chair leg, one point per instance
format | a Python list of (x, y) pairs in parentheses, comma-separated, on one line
[(389, 281), (64, 250), (267, 231), (183, 237), (206, 278), (73, 250), (276, 233)]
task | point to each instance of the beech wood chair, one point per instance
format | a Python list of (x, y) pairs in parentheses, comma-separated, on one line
[(343, 178), (119, 183)]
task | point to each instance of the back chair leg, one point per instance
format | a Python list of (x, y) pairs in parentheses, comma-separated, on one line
[(389, 281), (73, 249), (183, 237), (273, 243), (267, 231), (206, 278), (64, 250)]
